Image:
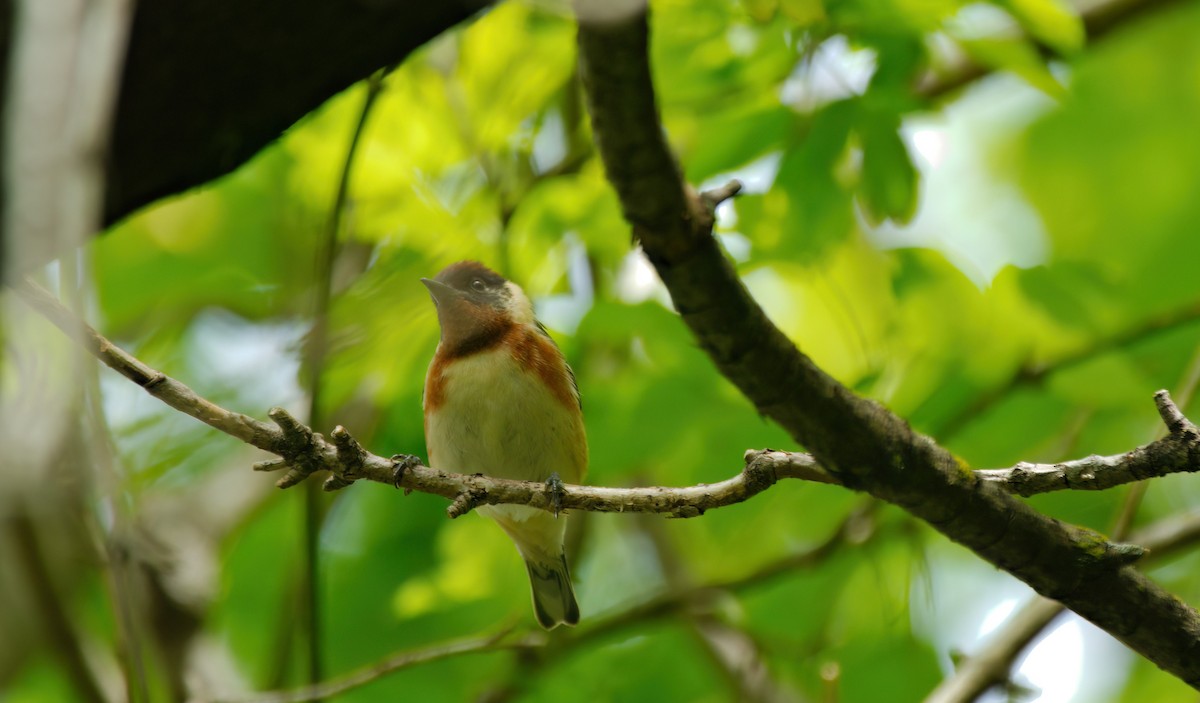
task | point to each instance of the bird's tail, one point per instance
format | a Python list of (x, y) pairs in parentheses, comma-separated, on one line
[(553, 598)]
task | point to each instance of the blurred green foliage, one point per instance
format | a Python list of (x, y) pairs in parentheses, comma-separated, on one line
[(479, 148)]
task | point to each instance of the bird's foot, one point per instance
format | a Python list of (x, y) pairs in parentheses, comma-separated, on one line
[(555, 486), (400, 464)]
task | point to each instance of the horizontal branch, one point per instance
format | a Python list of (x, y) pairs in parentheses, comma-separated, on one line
[(303, 452), (156, 383), (1177, 452)]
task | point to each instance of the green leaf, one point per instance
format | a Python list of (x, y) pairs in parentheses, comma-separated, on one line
[(815, 210), (1068, 292), (761, 10), (1053, 22), (1015, 55), (803, 12), (736, 137), (889, 180)]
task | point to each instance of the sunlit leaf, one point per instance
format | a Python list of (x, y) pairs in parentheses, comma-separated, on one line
[(1054, 22), (803, 12), (1018, 56), (889, 180)]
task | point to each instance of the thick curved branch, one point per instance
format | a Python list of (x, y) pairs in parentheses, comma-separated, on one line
[(991, 665), (867, 447), (209, 84)]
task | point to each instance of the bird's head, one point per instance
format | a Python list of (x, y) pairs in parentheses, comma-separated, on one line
[(476, 306)]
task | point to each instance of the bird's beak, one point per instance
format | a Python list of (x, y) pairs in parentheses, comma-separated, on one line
[(440, 292)]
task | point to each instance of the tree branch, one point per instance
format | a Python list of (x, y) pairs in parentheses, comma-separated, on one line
[(57, 621), (1178, 451), (396, 662), (991, 665), (856, 529), (1166, 537), (304, 452), (867, 447)]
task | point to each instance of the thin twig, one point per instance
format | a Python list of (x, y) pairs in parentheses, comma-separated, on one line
[(372, 672), (305, 452), (63, 638), (856, 529), (992, 664), (317, 349), (1164, 538)]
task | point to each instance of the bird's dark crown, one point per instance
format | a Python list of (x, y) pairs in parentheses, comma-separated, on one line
[(475, 281)]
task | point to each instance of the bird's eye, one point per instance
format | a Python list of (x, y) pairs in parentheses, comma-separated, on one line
[(477, 284)]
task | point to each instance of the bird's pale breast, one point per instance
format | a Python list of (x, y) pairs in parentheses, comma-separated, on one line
[(498, 417)]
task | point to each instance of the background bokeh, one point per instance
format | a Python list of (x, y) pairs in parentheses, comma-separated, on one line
[(1009, 263)]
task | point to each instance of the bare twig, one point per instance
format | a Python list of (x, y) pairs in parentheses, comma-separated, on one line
[(731, 648), (991, 666), (157, 384), (1176, 452), (857, 528), (396, 662), (304, 452), (309, 621), (1164, 537), (63, 639)]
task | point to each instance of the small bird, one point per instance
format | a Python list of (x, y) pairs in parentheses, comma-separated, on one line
[(501, 400)]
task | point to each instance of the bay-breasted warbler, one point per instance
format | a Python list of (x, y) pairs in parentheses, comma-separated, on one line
[(501, 400)]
